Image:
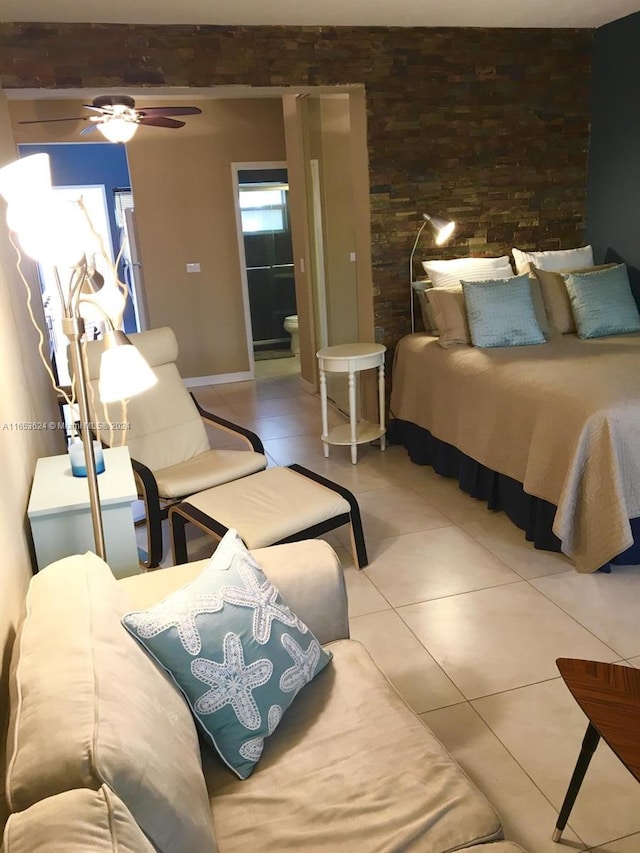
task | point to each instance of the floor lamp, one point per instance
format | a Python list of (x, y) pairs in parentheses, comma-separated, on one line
[(61, 235), (443, 229)]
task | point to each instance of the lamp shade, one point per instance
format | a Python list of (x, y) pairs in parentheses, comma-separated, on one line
[(109, 302), (102, 298), (50, 230), (118, 129), (23, 179), (123, 371), (442, 228)]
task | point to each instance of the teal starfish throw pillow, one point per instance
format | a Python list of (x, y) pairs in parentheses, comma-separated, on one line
[(235, 650)]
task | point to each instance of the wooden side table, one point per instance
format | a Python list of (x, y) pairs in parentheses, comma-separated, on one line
[(351, 359), (609, 695), (60, 515)]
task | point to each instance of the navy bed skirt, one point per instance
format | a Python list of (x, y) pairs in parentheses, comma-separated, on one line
[(533, 515)]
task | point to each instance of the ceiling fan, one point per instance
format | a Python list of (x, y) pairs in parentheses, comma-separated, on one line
[(118, 119)]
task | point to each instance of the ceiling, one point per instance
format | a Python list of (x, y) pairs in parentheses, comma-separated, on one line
[(404, 13)]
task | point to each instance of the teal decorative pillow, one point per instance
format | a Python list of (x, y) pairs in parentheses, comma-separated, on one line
[(602, 302), (235, 650), (501, 313)]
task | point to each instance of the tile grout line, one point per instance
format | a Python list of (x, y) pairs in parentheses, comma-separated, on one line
[(619, 656), (526, 773), (509, 753)]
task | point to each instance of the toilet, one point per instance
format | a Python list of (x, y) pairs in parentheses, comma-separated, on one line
[(291, 326)]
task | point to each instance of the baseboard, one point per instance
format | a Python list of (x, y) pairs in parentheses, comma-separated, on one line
[(307, 386), (244, 376), (218, 379)]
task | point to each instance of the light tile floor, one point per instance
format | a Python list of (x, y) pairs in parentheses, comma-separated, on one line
[(466, 619)]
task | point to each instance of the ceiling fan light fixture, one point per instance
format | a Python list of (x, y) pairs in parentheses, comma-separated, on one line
[(118, 129), (117, 119)]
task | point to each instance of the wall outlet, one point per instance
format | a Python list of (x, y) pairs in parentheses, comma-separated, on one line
[(352, 257), (193, 267)]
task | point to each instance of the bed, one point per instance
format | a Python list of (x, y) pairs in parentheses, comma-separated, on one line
[(550, 434)]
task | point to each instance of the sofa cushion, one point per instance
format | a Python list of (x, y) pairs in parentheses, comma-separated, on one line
[(349, 768), (75, 822), (89, 707), (234, 648)]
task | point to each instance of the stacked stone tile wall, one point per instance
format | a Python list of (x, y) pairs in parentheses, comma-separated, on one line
[(490, 125)]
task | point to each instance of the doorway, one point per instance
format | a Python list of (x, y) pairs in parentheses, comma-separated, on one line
[(266, 256)]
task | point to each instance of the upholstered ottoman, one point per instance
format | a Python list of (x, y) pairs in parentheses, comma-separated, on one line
[(271, 507)]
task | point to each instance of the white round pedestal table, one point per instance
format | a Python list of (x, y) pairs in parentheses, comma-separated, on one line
[(351, 359)]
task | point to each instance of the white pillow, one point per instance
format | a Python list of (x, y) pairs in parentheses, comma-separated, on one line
[(447, 273), (563, 259)]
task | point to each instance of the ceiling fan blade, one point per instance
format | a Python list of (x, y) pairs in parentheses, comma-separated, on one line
[(94, 108), (160, 121), (169, 111), (44, 120)]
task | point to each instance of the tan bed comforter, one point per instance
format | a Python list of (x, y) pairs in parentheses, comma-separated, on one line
[(562, 418)]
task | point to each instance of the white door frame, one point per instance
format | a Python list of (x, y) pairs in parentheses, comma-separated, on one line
[(235, 169), (320, 284), (138, 293)]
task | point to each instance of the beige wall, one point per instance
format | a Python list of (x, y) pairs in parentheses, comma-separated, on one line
[(361, 212), (333, 151), (25, 397), (184, 197), (359, 166), (330, 132)]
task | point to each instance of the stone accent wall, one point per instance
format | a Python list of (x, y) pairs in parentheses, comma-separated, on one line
[(489, 125)]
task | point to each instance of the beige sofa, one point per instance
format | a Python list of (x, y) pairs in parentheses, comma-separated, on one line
[(103, 754)]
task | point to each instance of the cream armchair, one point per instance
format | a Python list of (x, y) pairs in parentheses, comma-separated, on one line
[(165, 432)]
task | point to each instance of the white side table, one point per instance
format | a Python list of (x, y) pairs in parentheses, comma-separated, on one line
[(60, 513), (351, 359)]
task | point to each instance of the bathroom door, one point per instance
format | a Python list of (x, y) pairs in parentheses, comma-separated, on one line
[(262, 198)]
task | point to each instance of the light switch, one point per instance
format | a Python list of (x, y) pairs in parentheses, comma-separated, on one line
[(352, 257), (193, 267)]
